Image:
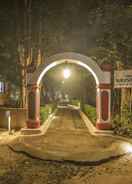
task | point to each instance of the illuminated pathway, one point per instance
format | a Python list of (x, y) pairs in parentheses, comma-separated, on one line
[(68, 138), (67, 119)]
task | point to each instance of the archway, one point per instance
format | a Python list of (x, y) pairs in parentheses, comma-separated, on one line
[(103, 88)]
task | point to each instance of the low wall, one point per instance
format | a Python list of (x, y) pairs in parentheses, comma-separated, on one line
[(18, 118), (3, 99)]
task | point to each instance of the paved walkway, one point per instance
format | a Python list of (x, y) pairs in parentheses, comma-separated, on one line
[(68, 138), (67, 119)]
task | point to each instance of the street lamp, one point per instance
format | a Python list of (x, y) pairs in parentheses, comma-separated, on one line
[(66, 73)]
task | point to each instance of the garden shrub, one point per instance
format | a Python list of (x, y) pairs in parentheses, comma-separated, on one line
[(122, 124), (45, 111), (90, 112), (75, 102)]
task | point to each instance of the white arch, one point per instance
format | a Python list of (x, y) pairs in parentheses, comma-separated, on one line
[(69, 57)]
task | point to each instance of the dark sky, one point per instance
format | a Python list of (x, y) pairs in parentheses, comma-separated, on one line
[(65, 25)]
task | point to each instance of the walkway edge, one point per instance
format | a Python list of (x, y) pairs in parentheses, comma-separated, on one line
[(95, 132), (39, 131)]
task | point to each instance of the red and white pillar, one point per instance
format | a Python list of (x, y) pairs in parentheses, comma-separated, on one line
[(103, 107), (103, 102), (33, 107)]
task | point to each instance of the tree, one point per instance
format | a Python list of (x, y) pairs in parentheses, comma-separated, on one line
[(30, 29)]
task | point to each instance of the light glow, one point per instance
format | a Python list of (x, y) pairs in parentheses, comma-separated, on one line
[(127, 147), (39, 76), (66, 73)]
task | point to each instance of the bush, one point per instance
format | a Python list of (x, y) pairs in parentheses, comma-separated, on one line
[(126, 115), (122, 125), (75, 102), (90, 112), (45, 111)]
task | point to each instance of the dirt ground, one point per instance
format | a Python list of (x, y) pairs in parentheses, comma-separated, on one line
[(20, 168)]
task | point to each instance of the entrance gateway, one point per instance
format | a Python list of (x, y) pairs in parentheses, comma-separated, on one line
[(103, 88)]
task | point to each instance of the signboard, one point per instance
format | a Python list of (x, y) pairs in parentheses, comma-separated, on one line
[(123, 79)]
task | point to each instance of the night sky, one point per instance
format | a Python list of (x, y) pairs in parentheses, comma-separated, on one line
[(58, 26), (66, 25)]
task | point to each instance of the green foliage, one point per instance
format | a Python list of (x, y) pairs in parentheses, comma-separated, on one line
[(45, 111), (93, 24), (126, 115), (3, 172), (90, 111), (116, 121), (100, 29), (122, 125), (75, 102)]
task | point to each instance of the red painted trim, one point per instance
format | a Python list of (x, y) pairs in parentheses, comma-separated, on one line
[(97, 106), (106, 67), (104, 105), (103, 126), (33, 123), (104, 86)]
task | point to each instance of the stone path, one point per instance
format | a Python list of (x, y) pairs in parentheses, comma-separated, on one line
[(67, 119), (68, 138)]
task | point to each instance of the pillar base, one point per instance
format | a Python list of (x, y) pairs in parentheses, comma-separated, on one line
[(103, 126), (33, 124)]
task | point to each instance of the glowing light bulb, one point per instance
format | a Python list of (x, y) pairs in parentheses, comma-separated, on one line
[(127, 147), (66, 73)]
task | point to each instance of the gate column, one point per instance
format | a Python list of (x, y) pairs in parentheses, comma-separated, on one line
[(103, 102), (103, 106), (33, 106)]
